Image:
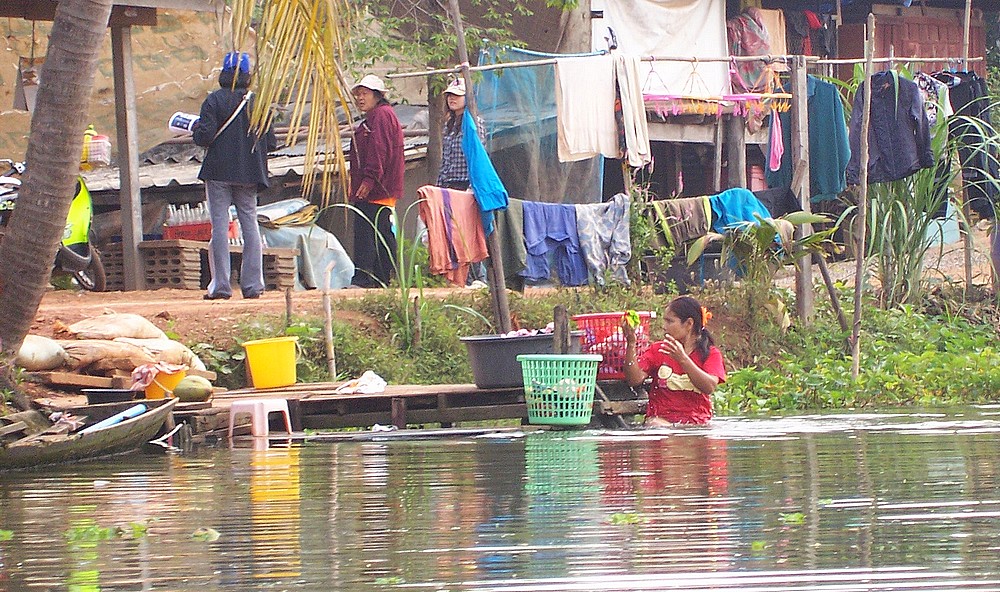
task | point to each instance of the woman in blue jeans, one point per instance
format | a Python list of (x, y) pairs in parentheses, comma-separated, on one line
[(234, 170)]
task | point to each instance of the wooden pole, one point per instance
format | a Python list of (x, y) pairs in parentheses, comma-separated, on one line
[(331, 360), (804, 299), (736, 145), (862, 216), (966, 210), (127, 126), (560, 331), (288, 307), (495, 275)]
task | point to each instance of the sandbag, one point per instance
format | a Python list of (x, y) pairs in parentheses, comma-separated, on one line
[(110, 326), (101, 355), (168, 350), (40, 353)]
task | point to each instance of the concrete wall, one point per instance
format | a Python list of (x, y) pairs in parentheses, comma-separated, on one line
[(175, 68)]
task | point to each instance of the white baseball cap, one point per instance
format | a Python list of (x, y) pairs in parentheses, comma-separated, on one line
[(371, 82), (456, 87)]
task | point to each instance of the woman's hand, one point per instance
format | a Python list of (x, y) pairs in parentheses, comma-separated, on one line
[(628, 331), (673, 348)]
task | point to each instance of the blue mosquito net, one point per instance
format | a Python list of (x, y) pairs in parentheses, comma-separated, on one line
[(518, 107)]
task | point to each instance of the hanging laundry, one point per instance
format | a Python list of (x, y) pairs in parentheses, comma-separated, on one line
[(510, 235), (748, 37), (585, 106), (682, 219), (734, 206), (633, 109), (551, 229), (604, 231), (454, 231), (486, 184), (980, 168), (899, 141), (934, 94), (693, 28), (829, 151)]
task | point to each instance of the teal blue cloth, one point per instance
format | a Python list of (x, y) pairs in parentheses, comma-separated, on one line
[(734, 206), (829, 149), (486, 185)]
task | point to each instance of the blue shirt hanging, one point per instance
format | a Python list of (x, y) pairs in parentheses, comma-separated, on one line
[(486, 184)]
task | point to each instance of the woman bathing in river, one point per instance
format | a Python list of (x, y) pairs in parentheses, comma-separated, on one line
[(685, 367)]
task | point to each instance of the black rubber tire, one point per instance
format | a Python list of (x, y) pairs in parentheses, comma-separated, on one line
[(93, 278)]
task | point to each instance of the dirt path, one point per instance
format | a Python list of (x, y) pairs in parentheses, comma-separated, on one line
[(185, 313)]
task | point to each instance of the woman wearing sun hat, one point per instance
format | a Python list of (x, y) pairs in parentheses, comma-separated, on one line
[(376, 183)]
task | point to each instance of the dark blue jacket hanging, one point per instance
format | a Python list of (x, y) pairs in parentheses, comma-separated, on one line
[(899, 137), (551, 228)]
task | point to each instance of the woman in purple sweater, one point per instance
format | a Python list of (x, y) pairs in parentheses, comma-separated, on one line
[(376, 183)]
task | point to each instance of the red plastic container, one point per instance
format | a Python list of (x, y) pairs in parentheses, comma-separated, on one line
[(602, 334), (200, 231)]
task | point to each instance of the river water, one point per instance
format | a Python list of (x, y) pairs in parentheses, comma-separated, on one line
[(890, 501)]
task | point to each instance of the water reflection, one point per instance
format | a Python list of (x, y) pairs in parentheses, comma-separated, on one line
[(836, 502)]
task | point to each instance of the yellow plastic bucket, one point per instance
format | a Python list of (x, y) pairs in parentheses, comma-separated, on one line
[(271, 362), (164, 383)]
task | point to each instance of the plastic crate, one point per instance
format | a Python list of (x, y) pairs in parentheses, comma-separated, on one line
[(602, 334), (200, 231), (559, 388)]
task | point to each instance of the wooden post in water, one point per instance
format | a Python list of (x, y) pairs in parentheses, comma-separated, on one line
[(495, 275), (862, 217), (331, 360), (560, 332)]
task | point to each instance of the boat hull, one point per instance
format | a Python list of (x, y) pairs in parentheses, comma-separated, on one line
[(119, 438)]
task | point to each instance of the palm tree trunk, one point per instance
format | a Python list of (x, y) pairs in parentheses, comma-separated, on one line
[(54, 146)]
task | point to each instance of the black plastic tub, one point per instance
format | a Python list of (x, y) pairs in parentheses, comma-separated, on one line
[(494, 358), (98, 396)]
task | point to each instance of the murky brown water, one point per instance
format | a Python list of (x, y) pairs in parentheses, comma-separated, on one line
[(848, 502)]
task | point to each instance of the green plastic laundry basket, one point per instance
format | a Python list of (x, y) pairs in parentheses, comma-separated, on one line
[(559, 388)]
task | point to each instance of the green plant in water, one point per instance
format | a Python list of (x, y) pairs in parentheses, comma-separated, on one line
[(6, 535)]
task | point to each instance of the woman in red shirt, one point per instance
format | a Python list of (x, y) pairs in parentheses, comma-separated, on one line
[(685, 367)]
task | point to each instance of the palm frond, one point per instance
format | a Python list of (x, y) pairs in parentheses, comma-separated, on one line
[(300, 49)]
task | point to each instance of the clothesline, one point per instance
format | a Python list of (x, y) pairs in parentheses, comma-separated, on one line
[(552, 61), (896, 59)]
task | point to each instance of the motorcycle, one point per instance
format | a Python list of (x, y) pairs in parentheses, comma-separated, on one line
[(76, 254)]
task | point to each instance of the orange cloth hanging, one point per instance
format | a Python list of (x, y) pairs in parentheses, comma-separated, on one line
[(455, 235)]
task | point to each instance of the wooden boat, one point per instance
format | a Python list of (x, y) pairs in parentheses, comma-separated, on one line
[(128, 435)]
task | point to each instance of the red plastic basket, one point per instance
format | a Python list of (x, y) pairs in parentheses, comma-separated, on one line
[(602, 334)]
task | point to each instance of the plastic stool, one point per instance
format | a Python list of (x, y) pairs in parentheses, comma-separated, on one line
[(259, 410)]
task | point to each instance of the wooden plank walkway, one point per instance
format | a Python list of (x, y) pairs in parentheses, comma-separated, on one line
[(318, 406)]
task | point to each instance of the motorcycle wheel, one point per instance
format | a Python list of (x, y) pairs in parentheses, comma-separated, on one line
[(93, 278)]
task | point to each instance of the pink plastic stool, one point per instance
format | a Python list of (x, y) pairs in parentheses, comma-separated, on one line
[(259, 410)]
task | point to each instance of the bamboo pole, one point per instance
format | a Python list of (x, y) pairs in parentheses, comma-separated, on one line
[(966, 210), (552, 61), (495, 274), (862, 225)]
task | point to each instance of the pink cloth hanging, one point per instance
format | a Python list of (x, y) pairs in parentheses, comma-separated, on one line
[(777, 144)]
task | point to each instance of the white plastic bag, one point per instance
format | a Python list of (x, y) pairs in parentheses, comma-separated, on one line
[(112, 325), (368, 384)]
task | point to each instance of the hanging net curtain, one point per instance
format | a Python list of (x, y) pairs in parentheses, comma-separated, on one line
[(518, 107)]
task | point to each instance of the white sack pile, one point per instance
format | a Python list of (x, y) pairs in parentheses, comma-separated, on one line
[(105, 345)]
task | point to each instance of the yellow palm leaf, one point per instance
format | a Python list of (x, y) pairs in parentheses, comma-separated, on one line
[(299, 48)]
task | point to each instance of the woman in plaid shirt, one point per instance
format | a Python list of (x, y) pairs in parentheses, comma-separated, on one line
[(454, 168), (454, 172)]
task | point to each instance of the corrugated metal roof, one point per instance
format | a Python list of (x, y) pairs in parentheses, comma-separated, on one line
[(170, 172), (177, 164)]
